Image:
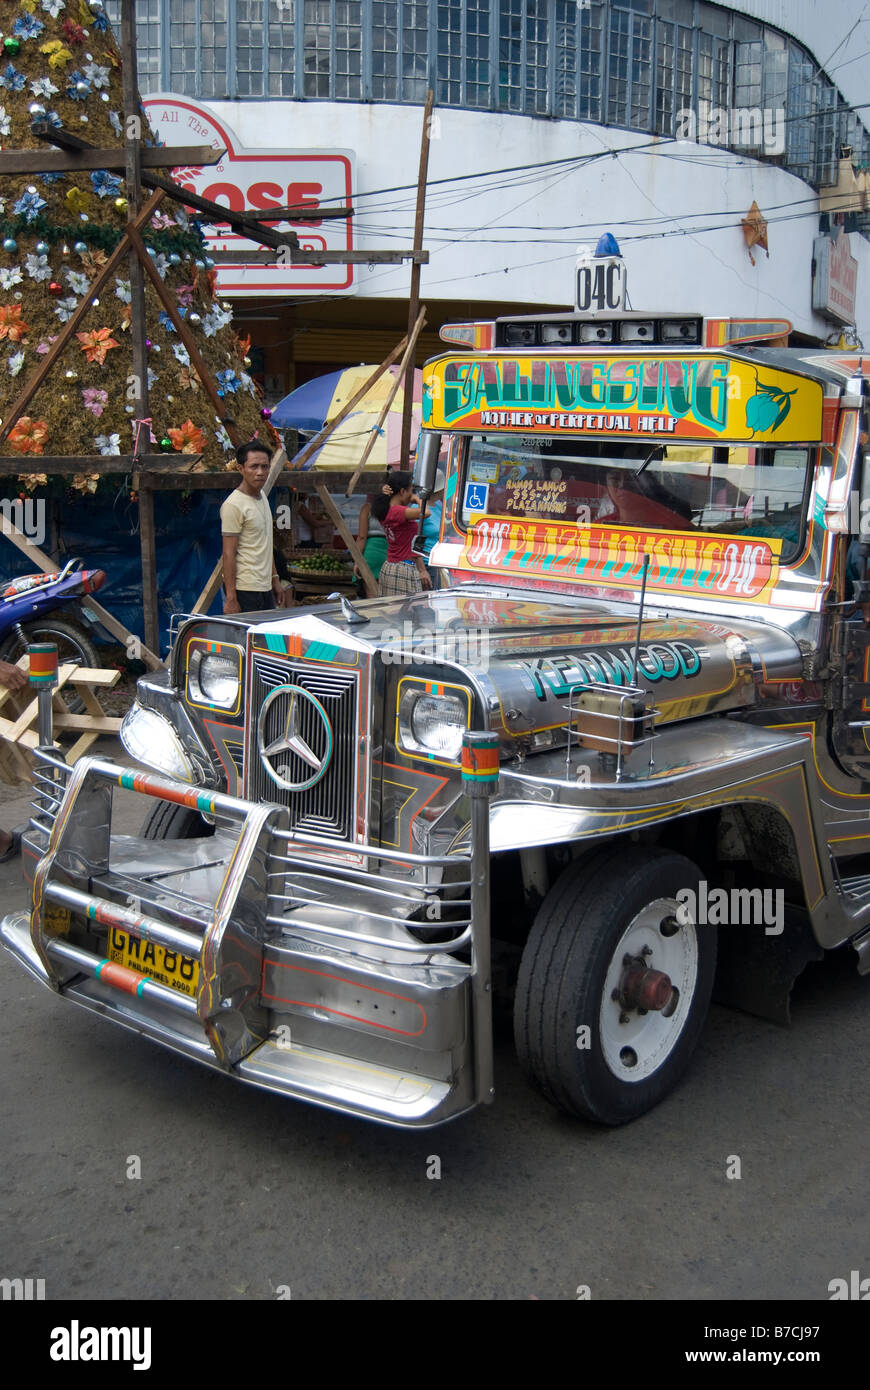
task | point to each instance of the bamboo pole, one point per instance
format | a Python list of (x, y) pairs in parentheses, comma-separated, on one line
[(314, 444), (400, 377), (280, 458)]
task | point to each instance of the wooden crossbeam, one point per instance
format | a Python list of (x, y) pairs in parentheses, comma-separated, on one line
[(216, 214), (228, 479), (299, 256), (11, 464), (71, 157), (297, 213)]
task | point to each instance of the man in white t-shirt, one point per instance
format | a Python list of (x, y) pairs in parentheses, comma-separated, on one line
[(251, 580)]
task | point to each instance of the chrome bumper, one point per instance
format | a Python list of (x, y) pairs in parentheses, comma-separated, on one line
[(347, 979)]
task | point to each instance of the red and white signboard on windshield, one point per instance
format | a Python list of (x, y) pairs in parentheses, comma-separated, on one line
[(248, 178)]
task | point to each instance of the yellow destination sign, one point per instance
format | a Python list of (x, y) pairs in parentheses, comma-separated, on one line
[(671, 395)]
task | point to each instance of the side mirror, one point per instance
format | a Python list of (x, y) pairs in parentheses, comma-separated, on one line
[(426, 462)]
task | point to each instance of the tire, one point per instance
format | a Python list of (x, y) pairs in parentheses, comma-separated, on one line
[(601, 911), (72, 645), (166, 821)]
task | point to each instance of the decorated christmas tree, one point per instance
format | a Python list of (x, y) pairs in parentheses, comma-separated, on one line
[(60, 64)]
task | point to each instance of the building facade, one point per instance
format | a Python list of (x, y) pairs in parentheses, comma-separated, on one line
[(662, 121)]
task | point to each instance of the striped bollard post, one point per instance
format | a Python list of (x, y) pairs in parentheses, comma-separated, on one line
[(480, 766), (43, 679)]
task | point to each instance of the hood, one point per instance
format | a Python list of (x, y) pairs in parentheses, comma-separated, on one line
[(525, 654)]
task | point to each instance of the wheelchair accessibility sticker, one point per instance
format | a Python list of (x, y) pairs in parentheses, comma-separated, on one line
[(476, 495)]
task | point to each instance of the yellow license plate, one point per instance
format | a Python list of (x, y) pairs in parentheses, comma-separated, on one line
[(166, 967)]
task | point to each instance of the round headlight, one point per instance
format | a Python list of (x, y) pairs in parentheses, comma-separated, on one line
[(433, 723), (219, 679), (213, 678)]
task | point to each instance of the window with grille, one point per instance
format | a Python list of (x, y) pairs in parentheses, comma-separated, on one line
[(385, 50), (281, 48), (803, 102), (250, 34), (462, 54), (415, 50), (510, 54), (590, 60), (149, 20), (631, 63)]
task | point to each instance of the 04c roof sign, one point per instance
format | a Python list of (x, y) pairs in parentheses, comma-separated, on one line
[(715, 566), (672, 395)]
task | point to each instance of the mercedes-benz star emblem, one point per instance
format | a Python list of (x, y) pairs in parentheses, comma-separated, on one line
[(291, 740)]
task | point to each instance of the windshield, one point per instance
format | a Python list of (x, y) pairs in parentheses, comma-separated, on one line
[(728, 489)]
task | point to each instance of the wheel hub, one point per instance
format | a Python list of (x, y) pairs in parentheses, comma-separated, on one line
[(648, 991), (643, 988)]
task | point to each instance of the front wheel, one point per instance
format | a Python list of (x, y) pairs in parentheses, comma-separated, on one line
[(614, 985), (167, 821)]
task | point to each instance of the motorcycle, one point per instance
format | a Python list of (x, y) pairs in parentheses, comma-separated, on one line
[(28, 613)]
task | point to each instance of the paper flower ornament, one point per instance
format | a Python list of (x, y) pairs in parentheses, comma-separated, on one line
[(188, 439), (95, 345), (29, 436)]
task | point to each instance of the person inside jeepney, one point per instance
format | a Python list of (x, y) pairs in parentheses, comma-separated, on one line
[(640, 499)]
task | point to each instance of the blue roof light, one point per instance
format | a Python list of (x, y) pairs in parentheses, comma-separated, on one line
[(607, 245)]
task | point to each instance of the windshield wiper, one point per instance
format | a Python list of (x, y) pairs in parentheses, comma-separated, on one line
[(656, 449)]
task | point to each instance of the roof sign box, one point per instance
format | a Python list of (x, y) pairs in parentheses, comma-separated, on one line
[(257, 179), (682, 396), (835, 278)]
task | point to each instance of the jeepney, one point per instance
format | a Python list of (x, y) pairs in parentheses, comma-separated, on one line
[(628, 731)]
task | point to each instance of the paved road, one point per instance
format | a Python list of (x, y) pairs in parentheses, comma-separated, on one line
[(242, 1193)]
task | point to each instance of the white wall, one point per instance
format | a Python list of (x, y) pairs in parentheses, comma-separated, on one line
[(675, 210)]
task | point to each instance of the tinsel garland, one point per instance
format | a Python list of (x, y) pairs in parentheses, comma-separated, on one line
[(105, 238)]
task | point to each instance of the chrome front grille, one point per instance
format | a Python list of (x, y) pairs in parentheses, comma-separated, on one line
[(328, 807)]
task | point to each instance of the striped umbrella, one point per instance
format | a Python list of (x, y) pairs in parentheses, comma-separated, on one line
[(309, 407)]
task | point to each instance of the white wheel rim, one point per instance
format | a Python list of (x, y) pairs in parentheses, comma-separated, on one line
[(637, 1047)]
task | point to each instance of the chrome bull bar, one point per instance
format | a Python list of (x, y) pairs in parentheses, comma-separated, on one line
[(245, 902)]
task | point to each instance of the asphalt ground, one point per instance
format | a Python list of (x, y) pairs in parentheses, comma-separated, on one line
[(241, 1195)]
